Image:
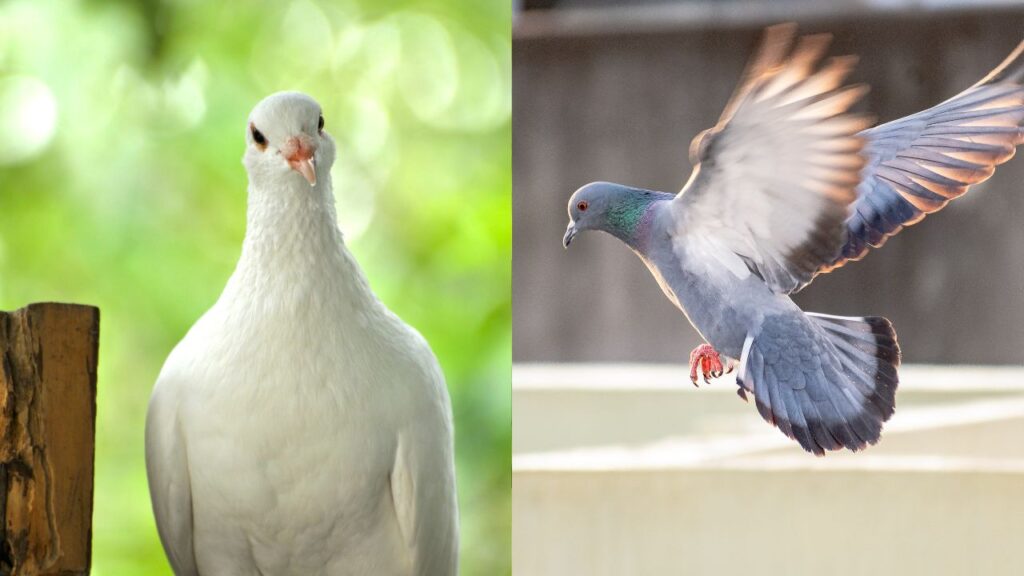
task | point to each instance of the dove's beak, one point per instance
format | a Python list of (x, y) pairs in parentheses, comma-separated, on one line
[(570, 233), (303, 161)]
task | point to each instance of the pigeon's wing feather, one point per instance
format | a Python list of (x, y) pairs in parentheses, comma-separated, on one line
[(775, 177), (423, 485), (170, 486), (917, 164)]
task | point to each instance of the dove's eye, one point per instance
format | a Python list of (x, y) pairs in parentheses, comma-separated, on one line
[(320, 125), (582, 205), (258, 136)]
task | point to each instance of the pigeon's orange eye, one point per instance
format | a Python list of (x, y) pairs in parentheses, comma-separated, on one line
[(258, 136), (582, 205), (320, 126)]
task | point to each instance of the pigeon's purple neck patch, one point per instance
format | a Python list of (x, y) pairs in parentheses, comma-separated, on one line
[(642, 230), (630, 220)]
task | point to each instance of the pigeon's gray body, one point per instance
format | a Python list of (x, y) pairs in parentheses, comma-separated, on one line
[(799, 366), (722, 307), (790, 185)]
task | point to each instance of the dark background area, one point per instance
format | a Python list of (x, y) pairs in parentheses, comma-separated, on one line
[(617, 94)]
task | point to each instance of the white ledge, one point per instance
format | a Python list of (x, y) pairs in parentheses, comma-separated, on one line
[(674, 377), (628, 417)]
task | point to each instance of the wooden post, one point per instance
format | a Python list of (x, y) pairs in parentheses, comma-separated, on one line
[(47, 436)]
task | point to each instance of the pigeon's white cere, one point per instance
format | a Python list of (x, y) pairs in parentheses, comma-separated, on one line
[(300, 427)]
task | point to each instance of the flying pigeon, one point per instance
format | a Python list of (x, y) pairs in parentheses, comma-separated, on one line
[(790, 184), (300, 427)]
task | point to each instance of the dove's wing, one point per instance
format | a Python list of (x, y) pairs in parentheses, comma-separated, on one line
[(917, 164), (776, 175), (423, 486), (169, 484)]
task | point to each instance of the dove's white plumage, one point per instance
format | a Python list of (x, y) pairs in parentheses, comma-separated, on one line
[(300, 427)]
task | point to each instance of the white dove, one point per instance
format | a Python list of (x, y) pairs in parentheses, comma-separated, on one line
[(300, 427)]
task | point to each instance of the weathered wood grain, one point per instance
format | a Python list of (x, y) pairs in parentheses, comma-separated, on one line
[(47, 438)]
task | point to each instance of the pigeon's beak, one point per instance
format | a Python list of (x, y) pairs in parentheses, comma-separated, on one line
[(302, 160), (570, 233)]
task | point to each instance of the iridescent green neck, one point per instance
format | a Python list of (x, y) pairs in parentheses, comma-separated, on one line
[(625, 217)]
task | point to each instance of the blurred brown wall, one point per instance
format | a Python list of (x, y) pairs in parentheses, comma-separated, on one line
[(622, 106)]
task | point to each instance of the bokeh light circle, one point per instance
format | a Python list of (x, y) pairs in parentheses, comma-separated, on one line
[(28, 118)]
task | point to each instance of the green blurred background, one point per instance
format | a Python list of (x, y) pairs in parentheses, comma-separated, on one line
[(121, 135)]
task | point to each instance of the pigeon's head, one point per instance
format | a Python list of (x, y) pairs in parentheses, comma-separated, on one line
[(612, 208), (286, 140)]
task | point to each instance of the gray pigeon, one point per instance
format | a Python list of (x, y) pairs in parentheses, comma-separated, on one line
[(790, 184)]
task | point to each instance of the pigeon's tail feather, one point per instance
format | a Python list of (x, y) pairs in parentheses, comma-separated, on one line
[(828, 382)]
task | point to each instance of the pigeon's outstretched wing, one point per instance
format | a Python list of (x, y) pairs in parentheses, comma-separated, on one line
[(170, 487), (774, 179), (917, 164)]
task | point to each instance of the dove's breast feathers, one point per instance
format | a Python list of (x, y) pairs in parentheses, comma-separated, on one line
[(298, 386)]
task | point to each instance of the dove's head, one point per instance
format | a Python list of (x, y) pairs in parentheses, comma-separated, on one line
[(608, 207), (286, 141)]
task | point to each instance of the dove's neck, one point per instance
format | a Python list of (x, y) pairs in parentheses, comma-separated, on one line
[(630, 218), (294, 255)]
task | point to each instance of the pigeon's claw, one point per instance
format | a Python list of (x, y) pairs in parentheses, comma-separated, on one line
[(705, 361), (731, 364), (742, 394)]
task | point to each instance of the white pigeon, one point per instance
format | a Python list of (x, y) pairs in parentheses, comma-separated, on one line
[(300, 427)]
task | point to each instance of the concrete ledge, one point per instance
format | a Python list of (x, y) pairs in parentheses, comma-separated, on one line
[(575, 407), (628, 469)]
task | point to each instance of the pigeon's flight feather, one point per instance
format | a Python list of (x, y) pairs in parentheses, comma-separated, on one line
[(776, 175), (917, 164)]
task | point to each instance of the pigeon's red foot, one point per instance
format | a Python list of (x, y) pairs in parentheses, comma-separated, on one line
[(704, 361)]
